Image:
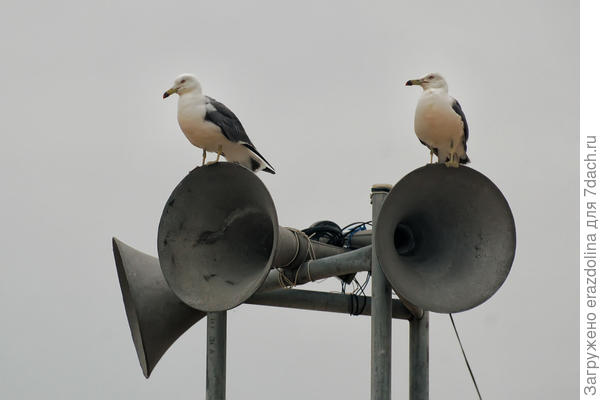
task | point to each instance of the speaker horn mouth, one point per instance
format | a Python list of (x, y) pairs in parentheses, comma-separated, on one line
[(445, 238), (217, 236), (155, 315)]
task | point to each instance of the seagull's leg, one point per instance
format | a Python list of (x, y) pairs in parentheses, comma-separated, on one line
[(431, 155), (219, 154), (453, 161), (203, 157)]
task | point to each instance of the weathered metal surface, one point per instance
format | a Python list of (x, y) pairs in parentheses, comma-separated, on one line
[(321, 301), (294, 247), (381, 317), (156, 316), (313, 270), (464, 235), (418, 386), (216, 355), (216, 236)]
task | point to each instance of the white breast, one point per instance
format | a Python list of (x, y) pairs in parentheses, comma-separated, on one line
[(436, 123), (191, 109)]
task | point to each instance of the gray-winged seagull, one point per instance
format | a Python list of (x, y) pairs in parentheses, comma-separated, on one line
[(213, 127), (440, 123)]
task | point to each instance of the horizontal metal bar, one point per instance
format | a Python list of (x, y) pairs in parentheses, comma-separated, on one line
[(313, 270), (294, 248), (346, 263), (321, 301)]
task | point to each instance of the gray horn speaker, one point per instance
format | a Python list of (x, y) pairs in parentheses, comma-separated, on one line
[(445, 238), (219, 236), (156, 316)]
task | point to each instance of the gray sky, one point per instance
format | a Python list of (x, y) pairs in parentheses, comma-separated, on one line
[(91, 150)]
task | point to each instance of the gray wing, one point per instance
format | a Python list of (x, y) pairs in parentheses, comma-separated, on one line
[(457, 109), (225, 119), (231, 127)]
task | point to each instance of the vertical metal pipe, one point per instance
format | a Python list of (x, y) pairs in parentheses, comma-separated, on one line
[(381, 314), (419, 358), (216, 354)]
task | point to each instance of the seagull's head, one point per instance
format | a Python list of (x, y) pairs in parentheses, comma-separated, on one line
[(183, 84), (430, 81)]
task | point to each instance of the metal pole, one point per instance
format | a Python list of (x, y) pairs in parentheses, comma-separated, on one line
[(419, 358), (381, 318), (216, 354)]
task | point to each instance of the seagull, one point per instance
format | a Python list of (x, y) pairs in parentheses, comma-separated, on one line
[(440, 123), (213, 127)]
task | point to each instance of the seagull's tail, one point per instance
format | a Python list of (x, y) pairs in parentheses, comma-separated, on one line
[(269, 170), (257, 161), (465, 160)]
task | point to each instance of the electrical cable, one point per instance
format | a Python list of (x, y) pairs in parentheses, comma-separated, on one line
[(354, 304), (465, 356), (356, 295), (328, 232), (356, 223)]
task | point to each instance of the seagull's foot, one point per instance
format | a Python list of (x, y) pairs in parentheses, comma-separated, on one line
[(453, 162)]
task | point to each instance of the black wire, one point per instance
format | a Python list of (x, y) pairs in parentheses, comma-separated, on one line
[(329, 232), (364, 286), (331, 236), (354, 298), (354, 225), (465, 356), (354, 304), (351, 304)]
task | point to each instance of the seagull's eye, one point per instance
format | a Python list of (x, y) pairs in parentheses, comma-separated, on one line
[(430, 77), (183, 81)]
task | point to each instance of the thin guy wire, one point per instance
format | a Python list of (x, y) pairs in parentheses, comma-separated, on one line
[(465, 356)]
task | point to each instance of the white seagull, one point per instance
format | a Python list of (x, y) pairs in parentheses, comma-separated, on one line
[(213, 127), (440, 123)]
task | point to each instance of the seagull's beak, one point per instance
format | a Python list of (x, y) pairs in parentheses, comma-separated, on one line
[(169, 92), (414, 82)]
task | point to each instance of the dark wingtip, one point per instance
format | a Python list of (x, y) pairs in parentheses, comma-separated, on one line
[(269, 170), (465, 160)]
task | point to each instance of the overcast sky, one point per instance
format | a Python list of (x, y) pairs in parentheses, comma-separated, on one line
[(90, 150)]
